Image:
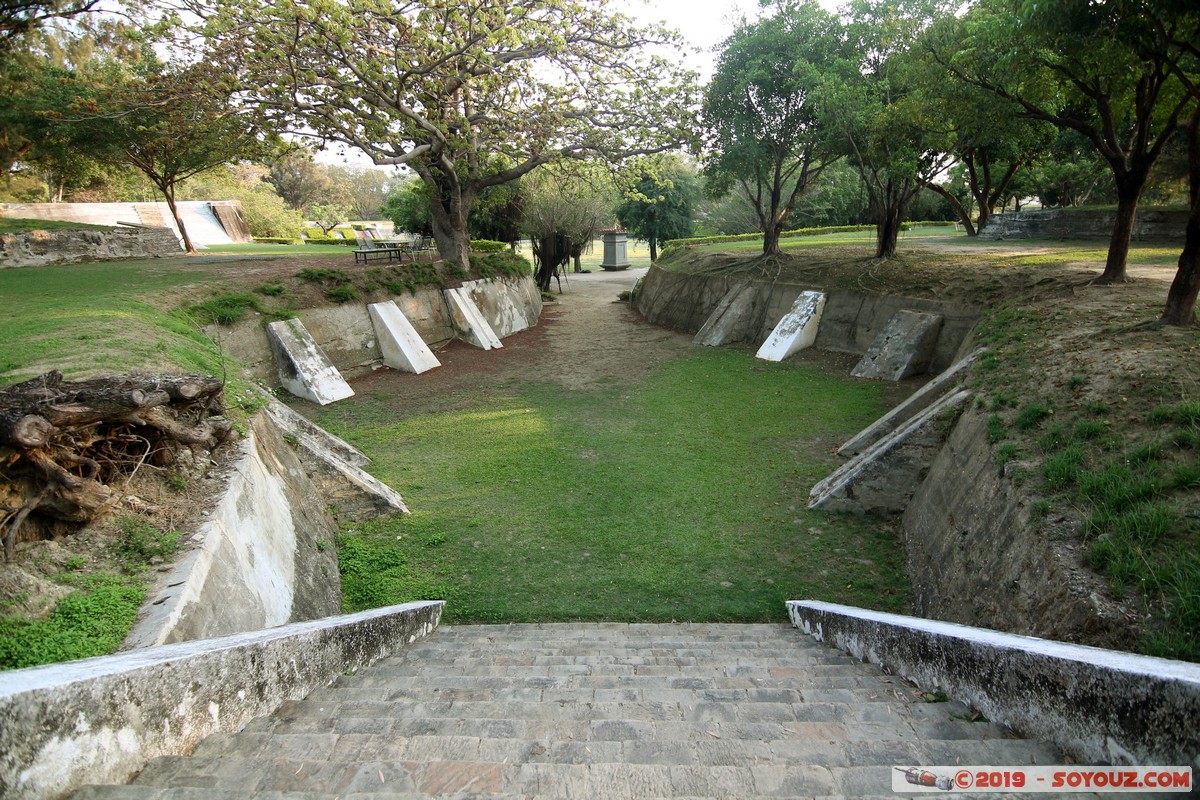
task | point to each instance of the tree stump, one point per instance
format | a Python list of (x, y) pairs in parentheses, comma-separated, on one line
[(64, 444)]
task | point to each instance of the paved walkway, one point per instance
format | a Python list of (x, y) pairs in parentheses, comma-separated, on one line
[(592, 711)]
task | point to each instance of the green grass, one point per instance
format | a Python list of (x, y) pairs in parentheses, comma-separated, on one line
[(680, 499), (82, 317), (90, 621)]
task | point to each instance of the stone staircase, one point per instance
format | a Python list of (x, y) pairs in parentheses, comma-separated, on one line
[(591, 711)]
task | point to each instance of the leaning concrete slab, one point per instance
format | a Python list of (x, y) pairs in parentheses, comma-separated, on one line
[(99, 720), (902, 348), (917, 402), (470, 321), (797, 330), (884, 476), (399, 343), (1100, 706), (729, 312), (335, 468), (303, 369)]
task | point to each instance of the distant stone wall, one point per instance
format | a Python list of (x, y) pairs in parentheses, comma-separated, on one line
[(1151, 225), (39, 248)]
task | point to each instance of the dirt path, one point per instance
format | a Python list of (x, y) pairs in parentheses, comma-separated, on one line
[(585, 339)]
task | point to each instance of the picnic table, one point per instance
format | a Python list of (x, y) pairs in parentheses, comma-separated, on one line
[(369, 246)]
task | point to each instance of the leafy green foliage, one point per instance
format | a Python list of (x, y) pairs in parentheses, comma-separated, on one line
[(90, 622), (225, 309), (138, 542), (660, 205)]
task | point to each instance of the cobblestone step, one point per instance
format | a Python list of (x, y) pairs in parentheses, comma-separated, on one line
[(596, 711)]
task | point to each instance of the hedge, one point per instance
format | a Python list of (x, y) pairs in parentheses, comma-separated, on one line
[(275, 240), (330, 240), (749, 237)]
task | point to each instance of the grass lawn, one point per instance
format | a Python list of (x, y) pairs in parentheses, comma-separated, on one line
[(680, 499)]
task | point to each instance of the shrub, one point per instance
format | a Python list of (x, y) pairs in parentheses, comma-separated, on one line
[(274, 240), (226, 309), (487, 246), (342, 294)]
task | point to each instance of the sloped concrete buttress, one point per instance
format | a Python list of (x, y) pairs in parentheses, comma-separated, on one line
[(903, 348), (470, 322), (509, 306), (917, 402), (399, 343), (303, 369), (884, 476), (719, 328), (263, 557), (335, 468), (1100, 706), (99, 720), (796, 330)]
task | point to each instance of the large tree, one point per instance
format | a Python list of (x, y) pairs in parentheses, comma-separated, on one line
[(1101, 69), (453, 90), (562, 212), (169, 123), (765, 109), (299, 179), (886, 114), (660, 202)]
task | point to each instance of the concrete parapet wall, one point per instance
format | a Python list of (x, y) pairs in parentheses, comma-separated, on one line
[(1100, 706), (850, 321), (99, 720), (40, 248)]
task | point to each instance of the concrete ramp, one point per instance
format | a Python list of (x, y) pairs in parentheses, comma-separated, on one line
[(917, 402), (903, 348), (884, 476), (304, 370), (470, 321), (402, 347), (797, 330), (731, 309)]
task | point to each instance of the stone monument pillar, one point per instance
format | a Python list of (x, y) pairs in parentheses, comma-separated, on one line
[(615, 241)]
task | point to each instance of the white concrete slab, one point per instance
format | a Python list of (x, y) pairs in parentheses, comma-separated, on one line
[(730, 310), (903, 348), (303, 368), (400, 344), (470, 321), (797, 330)]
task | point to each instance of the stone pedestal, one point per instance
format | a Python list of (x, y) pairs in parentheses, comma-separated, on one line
[(615, 255)]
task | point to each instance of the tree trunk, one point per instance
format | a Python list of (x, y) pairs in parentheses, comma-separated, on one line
[(169, 193), (1181, 297), (771, 240), (964, 216), (453, 244), (653, 249), (1129, 192), (887, 230)]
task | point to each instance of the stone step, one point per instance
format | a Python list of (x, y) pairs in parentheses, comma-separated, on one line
[(261, 778), (597, 711), (397, 681)]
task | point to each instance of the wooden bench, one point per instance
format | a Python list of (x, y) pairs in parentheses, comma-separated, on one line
[(365, 254)]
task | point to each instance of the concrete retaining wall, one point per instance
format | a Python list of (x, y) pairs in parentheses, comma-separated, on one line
[(1100, 706), (1150, 225), (345, 333), (850, 321), (967, 520), (39, 248), (99, 720), (264, 556)]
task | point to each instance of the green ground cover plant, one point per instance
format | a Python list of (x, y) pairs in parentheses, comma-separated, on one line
[(8, 225), (679, 499)]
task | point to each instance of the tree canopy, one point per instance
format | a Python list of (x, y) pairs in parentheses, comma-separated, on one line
[(765, 111), (468, 95), (660, 203)]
